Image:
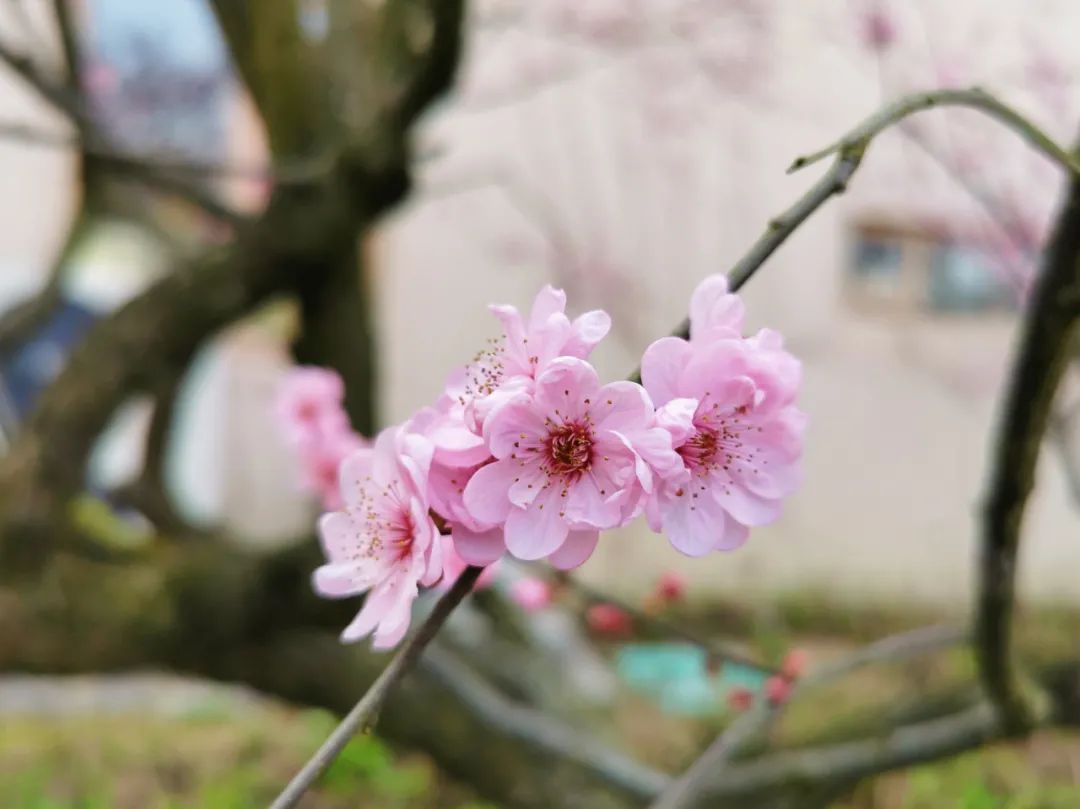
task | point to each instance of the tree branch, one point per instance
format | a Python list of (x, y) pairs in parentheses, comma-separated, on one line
[(737, 737), (69, 44), (973, 98), (833, 182), (365, 712), (289, 173), (540, 731), (1043, 352), (67, 100), (716, 652)]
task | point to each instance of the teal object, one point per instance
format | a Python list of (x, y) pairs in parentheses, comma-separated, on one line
[(677, 676)]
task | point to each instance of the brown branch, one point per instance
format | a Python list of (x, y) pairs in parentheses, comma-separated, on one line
[(715, 651), (69, 44), (68, 101), (364, 714), (541, 732), (1043, 351), (157, 333), (148, 492), (740, 734), (833, 182), (973, 98), (290, 173)]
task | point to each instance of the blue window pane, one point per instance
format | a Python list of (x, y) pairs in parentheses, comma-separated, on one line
[(876, 258), (964, 279)]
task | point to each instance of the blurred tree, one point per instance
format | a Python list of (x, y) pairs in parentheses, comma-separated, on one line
[(339, 86)]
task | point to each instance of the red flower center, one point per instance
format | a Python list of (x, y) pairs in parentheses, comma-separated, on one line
[(569, 449)]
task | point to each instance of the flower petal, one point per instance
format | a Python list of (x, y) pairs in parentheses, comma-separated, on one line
[(536, 531), (486, 494), (712, 306), (661, 368), (354, 474), (569, 386), (577, 548), (513, 427), (692, 526), (527, 485), (548, 301), (479, 548), (622, 406), (585, 332)]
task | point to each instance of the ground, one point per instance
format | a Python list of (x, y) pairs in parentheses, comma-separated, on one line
[(224, 750)]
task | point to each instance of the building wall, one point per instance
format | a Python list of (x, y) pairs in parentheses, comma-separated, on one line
[(902, 402)]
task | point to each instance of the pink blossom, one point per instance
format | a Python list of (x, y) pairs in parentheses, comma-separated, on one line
[(384, 541), (609, 619), (531, 594), (740, 698), (310, 412), (320, 460), (454, 566), (309, 403), (879, 29), (458, 453), (564, 467), (510, 364), (671, 587), (777, 690), (729, 405), (794, 664)]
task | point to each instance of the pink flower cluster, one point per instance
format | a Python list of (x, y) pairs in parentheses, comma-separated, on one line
[(527, 452), (310, 412)]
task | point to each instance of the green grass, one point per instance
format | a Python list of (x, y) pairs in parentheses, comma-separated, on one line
[(219, 757), (208, 760), (1038, 775)]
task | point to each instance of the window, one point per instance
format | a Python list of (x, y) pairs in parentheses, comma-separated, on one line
[(964, 278), (878, 267), (911, 270)]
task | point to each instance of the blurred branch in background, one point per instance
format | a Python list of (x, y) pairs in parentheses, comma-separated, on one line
[(68, 99), (210, 609), (1044, 350)]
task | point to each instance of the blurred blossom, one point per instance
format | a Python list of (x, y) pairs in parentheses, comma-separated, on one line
[(671, 587), (740, 698), (878, 28), (309, 408), (777, 690), (794, 664), (610, 620), (454, 566), (531, 594)]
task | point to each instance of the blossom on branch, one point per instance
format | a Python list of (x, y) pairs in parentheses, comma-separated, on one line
[(729, 405), (527, 452), (309, 408), (384, 542)]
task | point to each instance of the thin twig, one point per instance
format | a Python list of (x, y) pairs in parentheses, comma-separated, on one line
[(683, 790), (365, 712), (754, 723), (844, 763), (298, 173), (973, 98), (68, 101), (542, 732), (69, 44), (833, 182), (716, 652)]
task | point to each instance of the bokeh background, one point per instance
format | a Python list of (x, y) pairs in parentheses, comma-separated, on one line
[(620, 149)]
